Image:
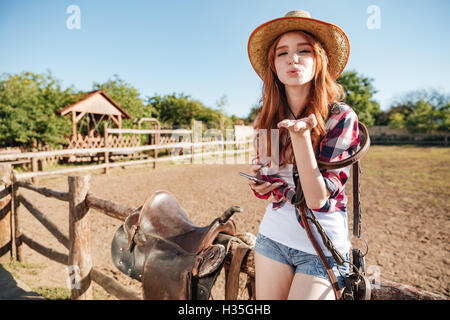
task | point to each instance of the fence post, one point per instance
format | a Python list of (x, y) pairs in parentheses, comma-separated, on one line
[(105, 133), (16, 248), (155, 141), (196, 138), (34, 168), (5, 212), (192, 143), (80, 261)]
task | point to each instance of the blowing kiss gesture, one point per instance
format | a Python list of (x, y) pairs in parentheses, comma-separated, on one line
[(299, 126)]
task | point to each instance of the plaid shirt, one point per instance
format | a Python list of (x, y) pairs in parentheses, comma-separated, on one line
[(340, 142)]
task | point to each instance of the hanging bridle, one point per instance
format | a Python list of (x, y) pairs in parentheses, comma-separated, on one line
[(357, 286)]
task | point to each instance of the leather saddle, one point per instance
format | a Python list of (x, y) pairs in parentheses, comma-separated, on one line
[(173, 257)]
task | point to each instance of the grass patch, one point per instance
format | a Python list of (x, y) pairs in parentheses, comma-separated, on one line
[(62, 293), (50, 293), (15, 268)]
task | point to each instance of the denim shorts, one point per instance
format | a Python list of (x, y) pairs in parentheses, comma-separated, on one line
[(301, 261)]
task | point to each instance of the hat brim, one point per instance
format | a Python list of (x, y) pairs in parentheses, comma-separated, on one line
[(334, 40)]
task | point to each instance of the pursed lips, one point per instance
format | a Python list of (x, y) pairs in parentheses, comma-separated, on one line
[(294, 71)]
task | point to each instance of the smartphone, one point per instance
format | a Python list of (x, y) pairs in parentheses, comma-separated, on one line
[(258, 181)]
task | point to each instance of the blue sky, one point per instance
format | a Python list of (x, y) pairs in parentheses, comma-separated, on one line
[(199, 47)]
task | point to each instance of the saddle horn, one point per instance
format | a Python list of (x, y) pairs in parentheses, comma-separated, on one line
[(229, 212)]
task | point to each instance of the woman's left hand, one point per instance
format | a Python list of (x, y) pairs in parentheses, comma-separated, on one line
[(299, 126)]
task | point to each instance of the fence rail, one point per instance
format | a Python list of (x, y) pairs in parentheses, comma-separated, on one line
[(380, 135), (149, 131), (77, 242), (196, 151)]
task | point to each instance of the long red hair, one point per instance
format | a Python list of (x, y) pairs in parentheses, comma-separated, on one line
[(324, 90)]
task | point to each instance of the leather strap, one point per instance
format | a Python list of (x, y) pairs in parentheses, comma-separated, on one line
[(356, 202), (365, 144), (232, 275), (340, 260), (320, 254)]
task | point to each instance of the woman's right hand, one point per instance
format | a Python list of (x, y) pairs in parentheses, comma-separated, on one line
[(262, 188)]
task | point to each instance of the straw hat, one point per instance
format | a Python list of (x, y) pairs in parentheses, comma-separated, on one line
[(333, 39)]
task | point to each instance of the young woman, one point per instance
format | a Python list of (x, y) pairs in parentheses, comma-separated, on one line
[(299, 60)]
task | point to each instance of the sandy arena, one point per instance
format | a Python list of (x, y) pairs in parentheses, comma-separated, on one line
[(408, 244)]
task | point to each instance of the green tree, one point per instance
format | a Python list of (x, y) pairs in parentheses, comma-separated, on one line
[(29, 109), (397, 120), (442, 117), (359, 92), (421, 119), (422, 111), (126, 96), (178, 110)]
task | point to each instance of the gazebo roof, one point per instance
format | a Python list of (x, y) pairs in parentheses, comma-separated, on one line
[(97, 102)]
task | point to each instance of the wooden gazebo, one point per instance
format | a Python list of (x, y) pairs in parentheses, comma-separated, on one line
[(97, 106)]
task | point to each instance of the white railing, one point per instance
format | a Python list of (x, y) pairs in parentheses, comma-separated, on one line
[(196, 152)]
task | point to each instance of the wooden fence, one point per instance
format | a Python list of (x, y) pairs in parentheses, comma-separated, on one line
[(196, 153), (78, 243), (383, 135), (410, 140)]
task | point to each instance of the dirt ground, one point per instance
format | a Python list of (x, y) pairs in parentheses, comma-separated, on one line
[(408, 239)]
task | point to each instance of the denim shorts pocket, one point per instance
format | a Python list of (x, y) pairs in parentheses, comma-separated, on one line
[(261, 241), (270, 249)]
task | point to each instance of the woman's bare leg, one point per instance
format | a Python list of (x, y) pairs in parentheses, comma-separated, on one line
[(272, 278), (308, 287)]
